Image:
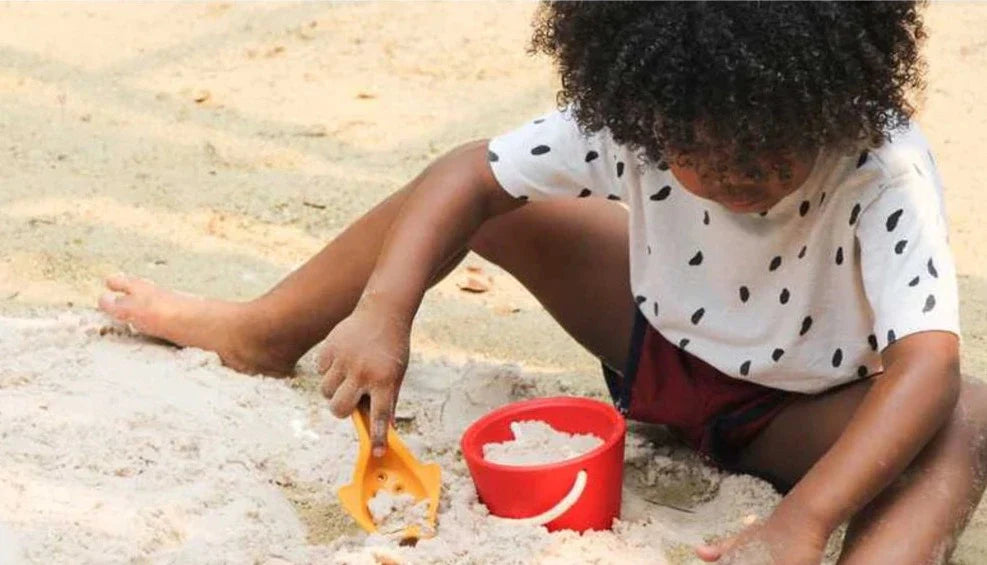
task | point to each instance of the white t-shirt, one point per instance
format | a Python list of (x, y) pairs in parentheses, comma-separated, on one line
[(802, 298)]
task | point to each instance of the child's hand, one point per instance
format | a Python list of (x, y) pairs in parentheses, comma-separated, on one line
[(366, 354), (775, 541)]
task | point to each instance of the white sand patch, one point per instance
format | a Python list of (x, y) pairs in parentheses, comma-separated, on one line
[(537, 443), (10, 548), (393, 513), (117, 449)]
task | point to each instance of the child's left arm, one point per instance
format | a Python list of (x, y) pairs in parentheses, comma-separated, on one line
[(910, 281), (897, 417), (902, 411)]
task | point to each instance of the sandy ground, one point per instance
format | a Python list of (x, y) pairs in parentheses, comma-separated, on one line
[(213, 148)]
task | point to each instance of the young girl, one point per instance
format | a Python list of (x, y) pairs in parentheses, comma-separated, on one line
[(735, 214)]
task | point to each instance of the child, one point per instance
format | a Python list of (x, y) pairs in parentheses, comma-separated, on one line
[(735, 214)]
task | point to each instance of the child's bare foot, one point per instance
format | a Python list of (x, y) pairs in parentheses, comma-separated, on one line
[(228, 328)]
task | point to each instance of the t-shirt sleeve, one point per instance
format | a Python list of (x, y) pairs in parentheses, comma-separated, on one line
[(550, 157), (907, 267)]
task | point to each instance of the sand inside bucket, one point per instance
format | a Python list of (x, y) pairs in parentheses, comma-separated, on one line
[(538, 443)]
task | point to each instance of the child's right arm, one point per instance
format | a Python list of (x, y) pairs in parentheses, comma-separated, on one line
[(366, 354)]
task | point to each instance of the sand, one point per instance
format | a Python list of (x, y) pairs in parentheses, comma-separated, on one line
[(212, 148), (538, 443), (392, 513), (117, 448)]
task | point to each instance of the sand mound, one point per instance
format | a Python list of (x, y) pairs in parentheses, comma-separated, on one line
[(116, 448)]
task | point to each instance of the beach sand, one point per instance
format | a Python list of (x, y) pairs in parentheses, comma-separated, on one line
[(213, 148)]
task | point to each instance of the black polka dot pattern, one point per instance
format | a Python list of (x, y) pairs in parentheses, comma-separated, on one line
[(662, 193), (862, 159), (538, 121), (698, 315), (523, 198), (862, 371), (854, 213), (892, 222), (891, 337), (826, 298)]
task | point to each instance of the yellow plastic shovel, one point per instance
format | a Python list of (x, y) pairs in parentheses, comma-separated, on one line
[(398, 471)]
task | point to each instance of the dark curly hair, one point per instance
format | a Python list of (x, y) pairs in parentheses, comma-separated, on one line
[(737, 79)]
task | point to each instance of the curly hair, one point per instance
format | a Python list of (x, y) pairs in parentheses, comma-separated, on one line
[(740, 79)]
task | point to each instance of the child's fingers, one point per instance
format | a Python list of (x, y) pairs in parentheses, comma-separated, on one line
[(381, 406), (345, 398), (714, 551), (331, 379), (324, 360), (708, 553)]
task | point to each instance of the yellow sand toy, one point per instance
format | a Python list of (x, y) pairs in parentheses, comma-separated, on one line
[(397, 472)]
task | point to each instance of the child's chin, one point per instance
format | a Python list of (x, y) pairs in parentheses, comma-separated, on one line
[(746, 207)]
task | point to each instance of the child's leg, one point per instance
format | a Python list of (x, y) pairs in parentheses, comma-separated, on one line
[(917, 518), (562, 251)]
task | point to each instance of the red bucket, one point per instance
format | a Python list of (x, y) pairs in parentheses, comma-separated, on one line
[(577, 494)]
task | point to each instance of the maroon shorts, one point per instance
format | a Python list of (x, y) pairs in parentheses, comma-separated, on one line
[(713, 413)]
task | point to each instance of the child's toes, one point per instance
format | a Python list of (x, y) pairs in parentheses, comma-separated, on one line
[(123, 283), (115, 305)]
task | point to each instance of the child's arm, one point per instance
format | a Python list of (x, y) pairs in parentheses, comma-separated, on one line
[(910, 281), (549, 157), (898, 416), (367, 352)]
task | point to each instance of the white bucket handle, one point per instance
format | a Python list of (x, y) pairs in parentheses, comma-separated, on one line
[(563, 506)]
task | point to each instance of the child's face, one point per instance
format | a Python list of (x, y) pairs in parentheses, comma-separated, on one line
[(741, 192)]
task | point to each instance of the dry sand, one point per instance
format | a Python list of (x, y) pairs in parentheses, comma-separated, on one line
[(214, 147), (535, 442)]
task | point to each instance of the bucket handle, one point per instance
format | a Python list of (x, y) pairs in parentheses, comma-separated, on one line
[(560, 508)]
